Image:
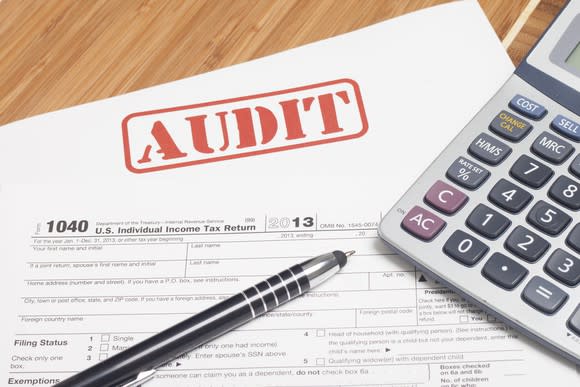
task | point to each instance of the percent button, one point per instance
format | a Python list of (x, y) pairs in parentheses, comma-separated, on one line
[(467, 174)]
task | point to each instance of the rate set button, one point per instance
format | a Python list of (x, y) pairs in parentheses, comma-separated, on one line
[(466, 173)]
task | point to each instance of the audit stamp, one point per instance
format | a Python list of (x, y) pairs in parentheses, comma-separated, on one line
[(247, 126)]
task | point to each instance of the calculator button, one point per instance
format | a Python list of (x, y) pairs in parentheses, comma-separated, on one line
[(510, 126), (509, 196), (464, 248), (565, 191), (566, 127), (422, 224), (575, 167), (487, 222), (526, 244), (503, 271), (573, 239), (547, 218), (552, 148), (527, 107), (574, 321), (564, 267), (531, 172), (445, 198), (488, 149), (466, 173), (543, 295)]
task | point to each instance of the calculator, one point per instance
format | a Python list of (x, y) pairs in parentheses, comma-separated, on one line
[(496, 216)]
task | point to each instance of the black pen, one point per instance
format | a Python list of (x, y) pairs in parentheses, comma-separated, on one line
[(138, 364)]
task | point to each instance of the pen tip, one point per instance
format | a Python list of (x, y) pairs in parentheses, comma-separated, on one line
[(349, 253)]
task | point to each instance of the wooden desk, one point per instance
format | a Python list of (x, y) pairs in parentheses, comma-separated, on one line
[(62, 53)]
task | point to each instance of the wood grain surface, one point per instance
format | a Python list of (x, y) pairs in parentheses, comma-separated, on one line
[(60, 53)]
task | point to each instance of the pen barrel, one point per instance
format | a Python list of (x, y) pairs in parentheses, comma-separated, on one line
[(195, 331), (277, 290)]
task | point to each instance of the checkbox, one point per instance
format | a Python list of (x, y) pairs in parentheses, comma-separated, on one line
[(320, 361), (490, 318), (105, 338), (463, 318), (103, 356), (320, 332), (104, 347)]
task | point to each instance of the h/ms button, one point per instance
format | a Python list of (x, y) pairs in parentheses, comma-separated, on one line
[(489, 149)]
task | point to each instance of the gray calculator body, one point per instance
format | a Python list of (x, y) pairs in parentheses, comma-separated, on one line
[(452, 225)]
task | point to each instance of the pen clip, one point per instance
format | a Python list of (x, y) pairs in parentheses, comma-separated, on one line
[(141, 378)]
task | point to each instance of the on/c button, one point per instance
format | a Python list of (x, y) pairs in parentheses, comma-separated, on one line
[(445, 198)]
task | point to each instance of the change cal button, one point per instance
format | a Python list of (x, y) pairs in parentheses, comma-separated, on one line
[(510, 126)]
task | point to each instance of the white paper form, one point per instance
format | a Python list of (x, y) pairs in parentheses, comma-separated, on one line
[(89, 272), (84, 296)]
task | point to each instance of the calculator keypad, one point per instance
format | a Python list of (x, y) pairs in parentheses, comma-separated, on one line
[(531, 172), (503, 271), (467, 173), (564, 267), (573, 239), (566, 127), (543, 295), (488, 149), (574, 321), (509, 196), (422, 223), (527, 107), (445, 198), (487, 222), (510, 126), (552, 148), (575, 167), (514, 233), (526, 245), (547, 218), (566, 192), (465, 248)]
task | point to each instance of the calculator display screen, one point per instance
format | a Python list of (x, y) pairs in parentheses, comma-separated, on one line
[(574, 57)]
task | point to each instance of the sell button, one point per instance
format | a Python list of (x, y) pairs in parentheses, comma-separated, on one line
[(566, 127)]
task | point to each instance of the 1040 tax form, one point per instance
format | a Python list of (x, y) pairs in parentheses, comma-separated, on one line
[(91, 283), (127, 215)]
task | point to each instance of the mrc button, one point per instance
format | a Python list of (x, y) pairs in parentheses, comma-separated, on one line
[(566, 127), (527, 107), (488, 149), (552, 148), (510, 126)]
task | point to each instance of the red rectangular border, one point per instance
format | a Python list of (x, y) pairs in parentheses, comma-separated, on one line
[(246, 154)]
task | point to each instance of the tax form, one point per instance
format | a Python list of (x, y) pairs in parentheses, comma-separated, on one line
[(118, 224)]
